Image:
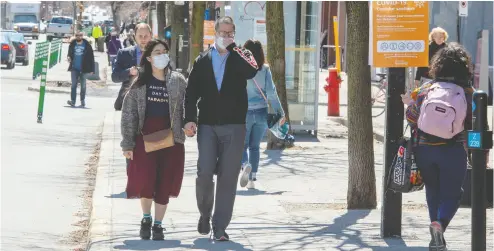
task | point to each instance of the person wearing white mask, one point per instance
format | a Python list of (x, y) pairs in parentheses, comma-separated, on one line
[(218, 79), (153, 139)]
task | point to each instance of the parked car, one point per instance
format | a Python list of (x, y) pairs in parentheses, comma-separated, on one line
[(8, 50), (60, 27), (21, 48)]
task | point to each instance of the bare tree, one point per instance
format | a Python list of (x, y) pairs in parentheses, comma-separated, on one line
[(197, 30), (361, 192), (275, 30)]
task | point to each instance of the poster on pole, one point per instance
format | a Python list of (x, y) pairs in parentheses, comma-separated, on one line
[(208, 34), (399, 34)]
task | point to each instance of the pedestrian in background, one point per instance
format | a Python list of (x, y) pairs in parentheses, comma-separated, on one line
[(97, 34), (442, 159), (219, 79), (113, 45), (437, 40), (153, 108), (130, 40), (125, 67), (81, 62), (261, 93)]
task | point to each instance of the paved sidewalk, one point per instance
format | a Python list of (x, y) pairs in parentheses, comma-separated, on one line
[(299, 204)]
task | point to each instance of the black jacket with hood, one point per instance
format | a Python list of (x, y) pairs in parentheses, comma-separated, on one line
[(87, 58)]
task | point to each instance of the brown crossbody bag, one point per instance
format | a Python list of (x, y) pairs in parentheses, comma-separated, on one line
[(161, 139)]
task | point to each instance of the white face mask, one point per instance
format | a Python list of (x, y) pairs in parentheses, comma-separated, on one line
[(161, 61), (220, 42)]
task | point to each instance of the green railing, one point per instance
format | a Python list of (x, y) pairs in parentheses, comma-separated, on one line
[(40, 55), (55, 52)]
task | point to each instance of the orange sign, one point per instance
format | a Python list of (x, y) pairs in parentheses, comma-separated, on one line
[(400, 34), (208, 34)]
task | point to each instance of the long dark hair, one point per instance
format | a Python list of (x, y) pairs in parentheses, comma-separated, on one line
[(452, 63), (145, 67), (255, 47)]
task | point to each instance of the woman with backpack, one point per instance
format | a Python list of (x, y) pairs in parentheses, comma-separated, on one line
[(261, 92), (439, 113)]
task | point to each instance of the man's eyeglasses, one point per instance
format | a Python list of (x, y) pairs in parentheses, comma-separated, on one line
[(226, 34)]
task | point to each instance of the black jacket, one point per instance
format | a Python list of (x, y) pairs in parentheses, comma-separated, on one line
[(424, 71), (87, 59), (126, 58), (227, 106)]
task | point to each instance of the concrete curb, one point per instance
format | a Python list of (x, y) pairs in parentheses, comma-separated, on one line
[(100, 224), (344, 121), (48, 89)]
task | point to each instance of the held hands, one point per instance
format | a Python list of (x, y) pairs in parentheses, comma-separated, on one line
[(128, 154), (190, 129)]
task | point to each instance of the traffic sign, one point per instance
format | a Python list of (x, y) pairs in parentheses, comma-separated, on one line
[(463, 9), (399, 34)]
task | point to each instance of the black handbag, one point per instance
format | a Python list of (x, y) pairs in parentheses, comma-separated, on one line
[(404, 174)]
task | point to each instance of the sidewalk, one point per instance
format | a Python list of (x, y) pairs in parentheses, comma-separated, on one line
[(299, 204)]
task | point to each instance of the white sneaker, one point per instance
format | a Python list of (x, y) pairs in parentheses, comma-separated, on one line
[(244, 179), (251, 185)]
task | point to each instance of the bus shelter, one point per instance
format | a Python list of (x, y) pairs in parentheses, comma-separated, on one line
[(302, 26)]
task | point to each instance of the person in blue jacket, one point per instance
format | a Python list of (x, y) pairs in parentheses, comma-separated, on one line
[(261, 93)]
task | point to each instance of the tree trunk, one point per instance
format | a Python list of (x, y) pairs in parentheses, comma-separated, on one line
[(361, 176), (275, 29), (197, 30), (177, 19), (161, 13)]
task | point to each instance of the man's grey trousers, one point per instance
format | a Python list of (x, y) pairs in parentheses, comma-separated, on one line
[(220, 153)]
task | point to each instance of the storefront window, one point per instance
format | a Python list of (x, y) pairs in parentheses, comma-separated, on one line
[(301, 50)]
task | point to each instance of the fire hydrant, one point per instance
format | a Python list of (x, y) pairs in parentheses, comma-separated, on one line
[(333, 90)]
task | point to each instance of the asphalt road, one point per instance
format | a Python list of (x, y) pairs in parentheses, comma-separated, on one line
[(43, 166)]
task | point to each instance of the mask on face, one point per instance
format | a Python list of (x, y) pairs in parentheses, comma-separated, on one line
[(220, 42), (161, 61), (113, 34)]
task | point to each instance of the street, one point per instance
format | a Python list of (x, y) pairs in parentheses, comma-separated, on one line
[(45, 174)]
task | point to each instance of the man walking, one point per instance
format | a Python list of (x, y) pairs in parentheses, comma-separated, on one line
[(125, 66), (81, 62), (97, 34), (218, 78)]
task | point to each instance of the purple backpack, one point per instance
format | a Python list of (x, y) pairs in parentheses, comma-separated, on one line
[(443, 111)]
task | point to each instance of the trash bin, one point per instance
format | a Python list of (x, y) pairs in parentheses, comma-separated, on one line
[(95, 75), (101, 44)]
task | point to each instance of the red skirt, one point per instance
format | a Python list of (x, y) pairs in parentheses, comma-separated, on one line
[(156, 175)]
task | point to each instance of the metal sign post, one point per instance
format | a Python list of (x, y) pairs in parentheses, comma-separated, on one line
[(479, 141), (42, 91), (40, 68)]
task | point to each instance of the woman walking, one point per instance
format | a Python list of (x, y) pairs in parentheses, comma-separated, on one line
[(113, 45), (441, 112), (437, 40), (261, 92), (152, 134)]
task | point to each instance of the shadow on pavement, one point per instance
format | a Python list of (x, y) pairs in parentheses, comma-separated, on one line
[(253, 192), (150, 245), (207, 244), (341, 230)]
